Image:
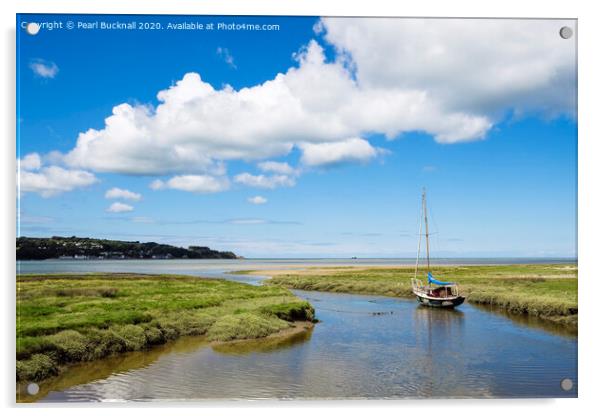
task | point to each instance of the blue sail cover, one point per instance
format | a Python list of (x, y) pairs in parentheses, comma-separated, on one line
[(437, 282)]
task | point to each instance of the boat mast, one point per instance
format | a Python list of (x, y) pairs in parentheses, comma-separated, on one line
[(419, 239), (426, 227)]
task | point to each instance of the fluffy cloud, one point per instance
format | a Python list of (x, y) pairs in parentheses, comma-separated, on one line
[(278, 174), (264, 181), (346, 151), (118, 193), (196, 127), (118, 207), (49, 180), (257, 200), (449, 78), (157, 185), (193, 183), (472, 66), (44, 69), (282, 168), (53, 180), (32, 161)]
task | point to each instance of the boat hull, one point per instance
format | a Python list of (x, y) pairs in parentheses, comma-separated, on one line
[(440, 303)]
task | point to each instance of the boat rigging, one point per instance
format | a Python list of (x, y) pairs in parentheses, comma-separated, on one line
[(436, 293)]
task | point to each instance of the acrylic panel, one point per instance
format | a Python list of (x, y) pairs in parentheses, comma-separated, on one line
[(244, 207)]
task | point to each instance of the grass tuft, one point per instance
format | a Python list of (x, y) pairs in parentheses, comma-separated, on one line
[(244, 326), (70, 318), (548, 291), (291, 311), (36, 368)]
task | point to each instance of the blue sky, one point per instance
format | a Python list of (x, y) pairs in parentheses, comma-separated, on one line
[(356, 125)]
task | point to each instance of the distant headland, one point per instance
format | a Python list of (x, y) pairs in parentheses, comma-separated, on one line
[(33, 248)]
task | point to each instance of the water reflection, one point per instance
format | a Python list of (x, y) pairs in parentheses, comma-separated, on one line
[(363, 347), (124, 365), (442, 359), (87, 372), (531, 321), (438, 329), (264, 345)]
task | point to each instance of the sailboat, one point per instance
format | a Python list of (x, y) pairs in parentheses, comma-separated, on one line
[(435, 293)]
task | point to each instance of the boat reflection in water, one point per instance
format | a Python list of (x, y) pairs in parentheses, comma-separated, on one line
[(363, 346), (439, 332)]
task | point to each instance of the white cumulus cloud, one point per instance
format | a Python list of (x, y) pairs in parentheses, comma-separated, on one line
[(346, 151), (118, 207), (257, 200), (32, 161), (450, 78), (193, 183), (196, 127), (282, 168), (44, 69), (264, 181), (49, 181), (118, 193), (472, 66)]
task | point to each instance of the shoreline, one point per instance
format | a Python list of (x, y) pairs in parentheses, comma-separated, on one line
[(519, 300), (296, 328), (45, 340), (70, 318), (309, 270), (182, 344)]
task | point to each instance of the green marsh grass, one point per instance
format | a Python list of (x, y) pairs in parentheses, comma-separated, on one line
[(548, 291), (73, 318)]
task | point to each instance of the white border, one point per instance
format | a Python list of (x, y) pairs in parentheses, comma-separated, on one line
[(590, 207)]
